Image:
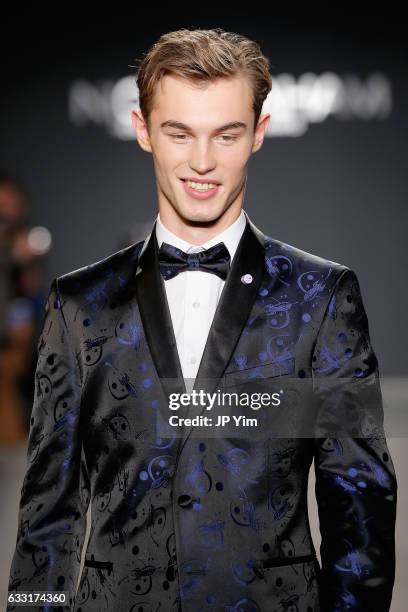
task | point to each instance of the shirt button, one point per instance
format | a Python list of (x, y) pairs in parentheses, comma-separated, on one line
[(193, 359), (196, 304), (184, 500)]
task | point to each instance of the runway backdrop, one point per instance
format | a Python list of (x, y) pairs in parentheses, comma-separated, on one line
[(331, 177)]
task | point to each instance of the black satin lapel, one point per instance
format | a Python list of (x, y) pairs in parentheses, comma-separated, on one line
[(234, 305), (156, 318), (233, 309)]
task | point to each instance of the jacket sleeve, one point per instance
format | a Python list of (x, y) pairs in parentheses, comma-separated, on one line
[(52, 514), (356, 487)]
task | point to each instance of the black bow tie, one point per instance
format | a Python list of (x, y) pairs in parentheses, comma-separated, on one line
[(215, 260)]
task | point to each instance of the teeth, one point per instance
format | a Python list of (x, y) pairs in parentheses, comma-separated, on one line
[(201, 186)]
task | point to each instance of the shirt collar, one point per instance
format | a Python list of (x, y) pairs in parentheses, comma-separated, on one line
[(230, 236)]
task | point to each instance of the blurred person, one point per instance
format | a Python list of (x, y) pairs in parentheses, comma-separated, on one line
[(13, 211), (21, 305), (187, 522)]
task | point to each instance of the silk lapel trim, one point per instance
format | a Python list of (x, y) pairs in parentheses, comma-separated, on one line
[(229, 320)]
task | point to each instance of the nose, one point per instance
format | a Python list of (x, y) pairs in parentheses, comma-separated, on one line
[(202, 160)]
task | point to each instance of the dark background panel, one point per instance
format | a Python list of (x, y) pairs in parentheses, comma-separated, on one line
[(339, 190)]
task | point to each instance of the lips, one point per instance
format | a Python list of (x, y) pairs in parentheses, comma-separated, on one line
[(199, 180), (199, 195)]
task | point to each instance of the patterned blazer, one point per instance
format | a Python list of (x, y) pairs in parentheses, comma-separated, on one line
[(184, 519)]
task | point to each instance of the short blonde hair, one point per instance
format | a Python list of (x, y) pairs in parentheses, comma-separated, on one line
[(203, 55)]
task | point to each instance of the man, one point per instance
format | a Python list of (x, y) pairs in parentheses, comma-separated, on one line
[(17, 315), (184, 518)]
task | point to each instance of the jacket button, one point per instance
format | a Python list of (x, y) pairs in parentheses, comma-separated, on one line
[(184, 500)]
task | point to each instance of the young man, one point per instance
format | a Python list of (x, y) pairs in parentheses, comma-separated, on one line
[(184, 518)]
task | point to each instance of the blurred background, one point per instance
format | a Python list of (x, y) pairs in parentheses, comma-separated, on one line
[(331, 179)]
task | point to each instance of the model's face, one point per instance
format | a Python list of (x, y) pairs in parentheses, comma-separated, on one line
[(200, 131)]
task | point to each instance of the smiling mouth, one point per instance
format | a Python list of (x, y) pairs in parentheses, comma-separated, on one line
[(201, 186), (200, 191)]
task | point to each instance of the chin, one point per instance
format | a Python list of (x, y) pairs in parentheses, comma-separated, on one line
[(201, 212)]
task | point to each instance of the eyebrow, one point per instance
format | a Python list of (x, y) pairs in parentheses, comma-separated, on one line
[(182, 126)]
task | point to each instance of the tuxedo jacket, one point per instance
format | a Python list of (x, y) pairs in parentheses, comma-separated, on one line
[(188, 522)]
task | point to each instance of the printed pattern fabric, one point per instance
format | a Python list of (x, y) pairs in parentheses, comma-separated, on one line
[(204, 523)]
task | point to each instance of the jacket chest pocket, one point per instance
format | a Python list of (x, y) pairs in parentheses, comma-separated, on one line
[(259, 373), (280, 562)]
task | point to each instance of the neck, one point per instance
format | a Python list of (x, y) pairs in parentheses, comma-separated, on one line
[(198, 232)]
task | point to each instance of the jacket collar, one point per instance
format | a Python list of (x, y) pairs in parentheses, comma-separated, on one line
[(230, 236), (234, 307)]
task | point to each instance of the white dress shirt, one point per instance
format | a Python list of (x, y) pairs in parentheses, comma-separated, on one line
[(193, 295)]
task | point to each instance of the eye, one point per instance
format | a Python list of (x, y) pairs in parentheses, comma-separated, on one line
[(224, 137), (228, 138)]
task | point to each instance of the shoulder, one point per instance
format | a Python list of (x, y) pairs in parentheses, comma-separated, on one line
[(289, 257), (289, 261), (115, 268), (308, 274)]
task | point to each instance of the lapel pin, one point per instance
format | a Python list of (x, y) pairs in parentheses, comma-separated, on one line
[(247, 279)]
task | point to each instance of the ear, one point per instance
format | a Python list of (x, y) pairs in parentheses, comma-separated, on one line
[(260, 131), (140, 127)]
